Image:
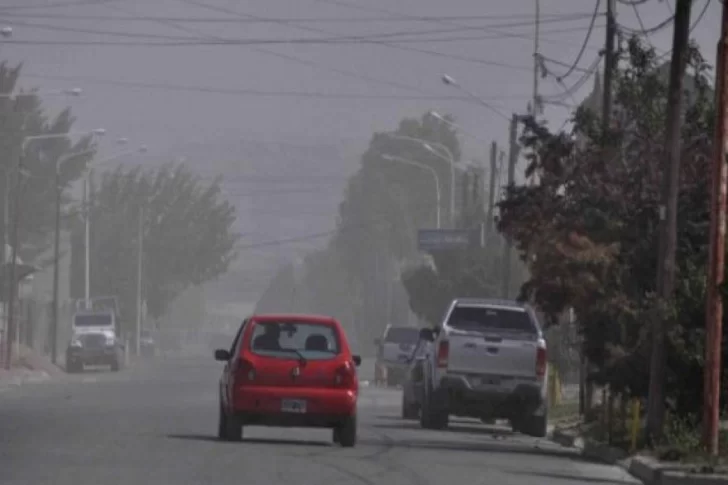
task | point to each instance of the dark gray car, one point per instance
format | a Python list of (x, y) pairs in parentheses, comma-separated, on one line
[(413, 381)]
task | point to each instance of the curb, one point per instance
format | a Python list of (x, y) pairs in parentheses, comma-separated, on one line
[(643, 468), (652, 472)]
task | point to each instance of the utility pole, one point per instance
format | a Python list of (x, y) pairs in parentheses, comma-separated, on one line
[(491, 186), (13, 287), (6, 267), (476, 192), (87, 241), (536, 61), (512, 160), (466, 199), (140, 253), (56, 269), (610, 59), (668, 218), (716, 269)]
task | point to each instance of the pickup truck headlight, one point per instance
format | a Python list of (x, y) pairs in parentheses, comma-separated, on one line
[(76, 343), (110, 342)]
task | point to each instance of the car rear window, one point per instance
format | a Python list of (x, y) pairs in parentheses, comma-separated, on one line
[(292, 340), (488, 319), (403, 335)]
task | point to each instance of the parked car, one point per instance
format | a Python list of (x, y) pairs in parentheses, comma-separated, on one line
[(412, 386), (289, 370), (394, 350), (489, 362)]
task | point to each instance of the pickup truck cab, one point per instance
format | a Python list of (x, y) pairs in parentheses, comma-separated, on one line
[(488, 362)]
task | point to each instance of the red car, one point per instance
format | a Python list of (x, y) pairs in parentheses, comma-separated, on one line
[(291, 371)]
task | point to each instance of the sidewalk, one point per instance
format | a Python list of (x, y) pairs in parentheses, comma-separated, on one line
[(29, 367), (19, 376), (644, 468)]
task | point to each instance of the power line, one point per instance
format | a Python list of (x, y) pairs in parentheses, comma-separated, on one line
[(292, 58), (142, 18), (665, 23), (584, 44), (639, 20), (438, 21), (570, 91), (177, 41), (252, 92), (564, 64), (76, 3)]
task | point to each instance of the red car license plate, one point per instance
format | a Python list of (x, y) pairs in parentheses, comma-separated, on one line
[(297, 406)]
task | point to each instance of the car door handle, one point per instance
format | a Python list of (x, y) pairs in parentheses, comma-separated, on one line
[(469, 345)]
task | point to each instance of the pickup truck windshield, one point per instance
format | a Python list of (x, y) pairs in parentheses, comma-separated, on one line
[(486, 319), (403, 335)]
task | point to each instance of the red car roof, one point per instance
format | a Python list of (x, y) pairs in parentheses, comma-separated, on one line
[(272, 317)]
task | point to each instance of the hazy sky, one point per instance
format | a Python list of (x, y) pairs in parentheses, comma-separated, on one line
[(382, 60)]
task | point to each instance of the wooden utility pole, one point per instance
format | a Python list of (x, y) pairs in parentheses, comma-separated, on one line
[(140, 259), (536, 101), (512, 159), (610, 58), (56, 268), (716, 261), (466, 197), (491, 187), (668, 218)]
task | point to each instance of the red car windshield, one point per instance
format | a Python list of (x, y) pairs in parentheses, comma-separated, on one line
[(292, 340)]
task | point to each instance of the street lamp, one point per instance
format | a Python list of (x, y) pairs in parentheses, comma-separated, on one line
[(456, 126), (12, 284), (448, 157), (450, 81), (432, 171)]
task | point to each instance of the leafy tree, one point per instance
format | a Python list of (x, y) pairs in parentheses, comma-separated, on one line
[(592, 227), (186, 233), (384, 205), (22, 115)]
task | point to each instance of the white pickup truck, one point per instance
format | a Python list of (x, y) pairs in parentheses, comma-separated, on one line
[(489, 362)]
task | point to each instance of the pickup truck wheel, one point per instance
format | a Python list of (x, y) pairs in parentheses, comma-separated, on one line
[(535, 426), (432, 414), (115, 365), (409, 410), (345, 433)]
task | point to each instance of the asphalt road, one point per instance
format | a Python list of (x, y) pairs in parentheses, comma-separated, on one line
[(155, 423)]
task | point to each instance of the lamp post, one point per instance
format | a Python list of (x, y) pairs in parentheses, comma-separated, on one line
[(443, 153), (427, 168), (87, 217), (12, 284)]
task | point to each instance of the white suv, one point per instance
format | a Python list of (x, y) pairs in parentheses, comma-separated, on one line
[(489, 362)]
